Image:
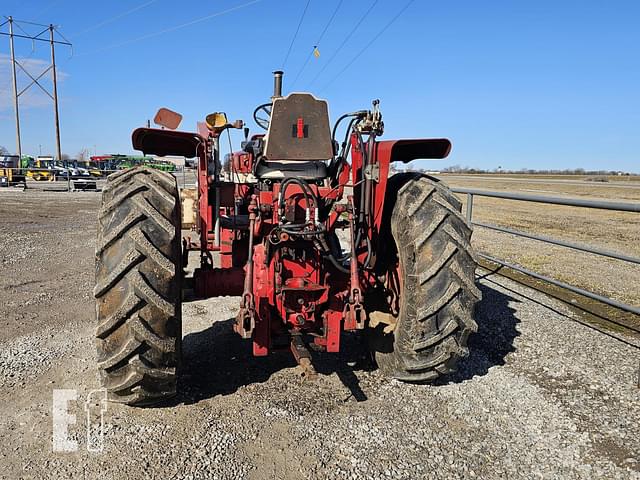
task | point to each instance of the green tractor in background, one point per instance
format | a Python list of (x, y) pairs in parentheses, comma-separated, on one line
[(130, 161)]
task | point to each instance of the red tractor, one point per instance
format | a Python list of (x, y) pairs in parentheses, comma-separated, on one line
[(311, 232)]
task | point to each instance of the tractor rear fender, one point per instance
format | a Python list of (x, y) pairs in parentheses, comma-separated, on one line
[(159, 142), (407, 150), (404, 151), (181, 144)]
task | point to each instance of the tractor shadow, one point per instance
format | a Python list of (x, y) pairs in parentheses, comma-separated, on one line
[(216, 361), (494, 340)]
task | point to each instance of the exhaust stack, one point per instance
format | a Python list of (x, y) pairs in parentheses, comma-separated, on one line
[(277, 84)]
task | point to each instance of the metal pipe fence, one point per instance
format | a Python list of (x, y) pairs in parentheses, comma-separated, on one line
[(633, 207)]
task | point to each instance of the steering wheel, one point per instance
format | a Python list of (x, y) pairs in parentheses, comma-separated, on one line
[(264, 110)]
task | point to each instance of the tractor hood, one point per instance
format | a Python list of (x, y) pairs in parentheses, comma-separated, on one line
[(159, 142)]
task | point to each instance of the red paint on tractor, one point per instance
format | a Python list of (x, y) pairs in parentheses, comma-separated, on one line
[(218, 281), (278, 247)]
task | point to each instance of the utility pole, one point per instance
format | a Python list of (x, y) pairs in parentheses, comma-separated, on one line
[(55, 103), (15, 89), (35, 80)]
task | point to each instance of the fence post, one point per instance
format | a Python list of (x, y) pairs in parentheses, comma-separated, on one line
[(469, 206)]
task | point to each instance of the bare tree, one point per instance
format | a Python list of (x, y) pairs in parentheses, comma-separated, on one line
[(3, 151), (83, 155)]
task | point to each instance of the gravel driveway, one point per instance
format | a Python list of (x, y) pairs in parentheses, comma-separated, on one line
[(540, 396)]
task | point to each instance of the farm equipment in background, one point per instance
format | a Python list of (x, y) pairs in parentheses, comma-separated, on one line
[(40, 175), (11, 173), (78, 170), (309, 231), (90, 167), (121, 162), (46, 168), (41, 169), (105, 164), (110, 163)]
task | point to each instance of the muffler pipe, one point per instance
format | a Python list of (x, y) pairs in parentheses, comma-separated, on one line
[(277, 84)]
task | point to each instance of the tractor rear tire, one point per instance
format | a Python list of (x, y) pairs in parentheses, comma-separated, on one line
[(437, 281), (138, 286)]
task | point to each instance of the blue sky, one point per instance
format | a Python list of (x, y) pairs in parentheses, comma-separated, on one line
[(514, 84)]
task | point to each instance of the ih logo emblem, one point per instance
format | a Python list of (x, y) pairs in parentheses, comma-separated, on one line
[(299, 129)]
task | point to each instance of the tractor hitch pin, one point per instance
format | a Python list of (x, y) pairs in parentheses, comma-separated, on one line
[(302, 356)]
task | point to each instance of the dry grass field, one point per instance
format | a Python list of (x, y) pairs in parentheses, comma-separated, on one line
[(619, 231)]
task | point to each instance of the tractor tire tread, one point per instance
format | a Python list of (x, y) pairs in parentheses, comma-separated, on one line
[(439, 293), (138, 291)]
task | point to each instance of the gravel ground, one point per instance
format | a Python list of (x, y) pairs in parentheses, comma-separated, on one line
[(540, 396)]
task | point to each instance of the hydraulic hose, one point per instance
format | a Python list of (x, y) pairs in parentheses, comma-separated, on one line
[(306, 190), (283, 189), (356, 114), (346, 146), (337, 264), (321, 245)]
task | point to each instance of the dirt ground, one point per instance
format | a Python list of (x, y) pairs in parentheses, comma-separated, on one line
[(527, 403), (618, 231)]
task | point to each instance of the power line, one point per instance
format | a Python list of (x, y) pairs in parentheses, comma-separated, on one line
[(369, 44), (113, 19), (333, 15), (304, 12), (344, 42), (63, 37), (326, 27), (37, 37), (33, 43), (26, 22), (171, 29)]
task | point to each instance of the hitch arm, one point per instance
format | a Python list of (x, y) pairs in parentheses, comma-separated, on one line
[(245, 321), (354, 317)]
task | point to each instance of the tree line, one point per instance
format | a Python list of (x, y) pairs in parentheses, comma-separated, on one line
[(525, 171)]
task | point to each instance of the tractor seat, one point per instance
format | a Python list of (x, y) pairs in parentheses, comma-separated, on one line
[(298, 142), (314, 170)]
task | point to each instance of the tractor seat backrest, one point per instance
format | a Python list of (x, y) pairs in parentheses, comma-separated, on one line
[(299, 129)]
